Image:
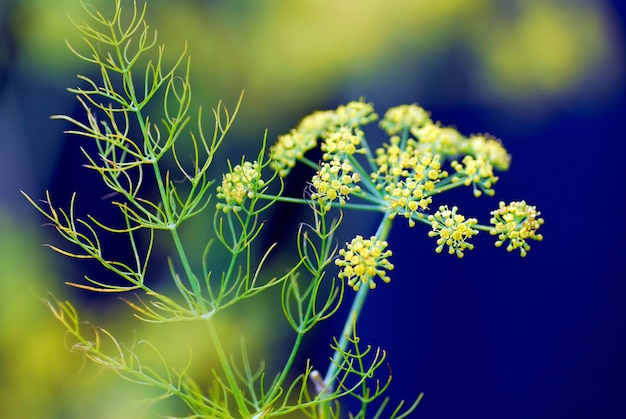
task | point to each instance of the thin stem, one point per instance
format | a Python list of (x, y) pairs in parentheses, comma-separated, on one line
[(357, 306), (365, 176), (170, 218), (277, 385), (368, 154), (193, 280), (310, 163), (322, 263), (446, 186), (358, 207), (230, 376), (482, 227)]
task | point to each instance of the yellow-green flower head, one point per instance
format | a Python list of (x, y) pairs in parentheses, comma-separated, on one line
[(289, 148), (407, 197), (355, 114), (490, 149), (317, 124), (335, 180), (452, 230), (516, 223), (241, 183), (412, 191), (363, 260), (396, 164), (391, 161), (434, 138), (342, 142), (427, 169), (477, 172), (404, 117)]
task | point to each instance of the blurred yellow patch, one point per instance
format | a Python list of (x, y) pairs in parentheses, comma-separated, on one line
[(543, 48)]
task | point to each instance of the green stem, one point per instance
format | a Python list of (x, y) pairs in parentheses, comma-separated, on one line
[(191, 277), (310, 163), (359, 207), (357, 306), (365, 176), (170, 218), (446, 186), (370, 157), (482, 227), (277, 384), (230, 376), (322, 263)]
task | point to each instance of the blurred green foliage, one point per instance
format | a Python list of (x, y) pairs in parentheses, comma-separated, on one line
[(43, 379)]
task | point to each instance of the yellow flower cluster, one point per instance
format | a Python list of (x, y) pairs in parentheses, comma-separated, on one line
[(445, 141), (334, 180), (452, 229), (408, 176), (363, 260), (406, 197), (434, 138), (341, 142), (477, 172), (241, 183), (355, 114), (394, 162), (516, 223), (289, 148), (404, 117), (489, 149), (320, 124), (317, 124)]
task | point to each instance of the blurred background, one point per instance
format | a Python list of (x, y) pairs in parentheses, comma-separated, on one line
[(489, 336)]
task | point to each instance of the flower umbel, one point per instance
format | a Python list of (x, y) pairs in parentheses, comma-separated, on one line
[(394, 162), (363, 260), (490, 149), (335, 180), (453, 230), (516, 222), (241, 183), (317, 124), (434, 138), (477, 172), (406, 197), (407, 176), (404, 117), (289, 148), (354, 114), (341, 142)]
